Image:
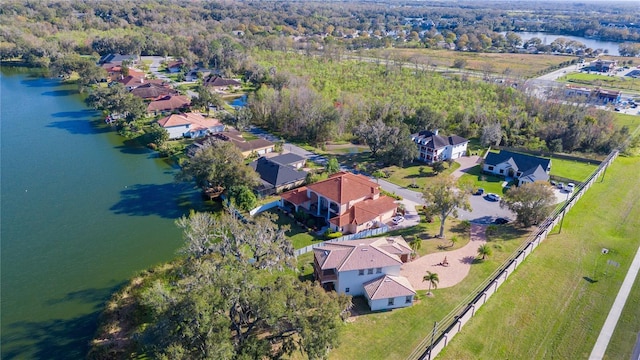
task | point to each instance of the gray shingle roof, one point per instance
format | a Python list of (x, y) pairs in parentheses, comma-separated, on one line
[(523, 162), (276, 174), (287, 159), (431, 140)]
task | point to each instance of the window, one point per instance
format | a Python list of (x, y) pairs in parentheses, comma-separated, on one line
[(378, 270), (407, 300), (501, 171), (490, 168), (369, 271), (390, 302), (361, 272), (347, 290)]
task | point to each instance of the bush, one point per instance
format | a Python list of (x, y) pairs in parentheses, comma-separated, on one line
[(334, 235)]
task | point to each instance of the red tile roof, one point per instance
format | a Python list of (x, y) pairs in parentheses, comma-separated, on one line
[(198, 121), (343, 187), (135, 81), (297, 196), (365, 211), (169, 103)]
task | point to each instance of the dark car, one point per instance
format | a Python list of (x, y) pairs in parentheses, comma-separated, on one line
[(500, 221), (480, 191)]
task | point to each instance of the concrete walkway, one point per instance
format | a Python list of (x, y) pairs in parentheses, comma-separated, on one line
[(460, 261), (616, 310)]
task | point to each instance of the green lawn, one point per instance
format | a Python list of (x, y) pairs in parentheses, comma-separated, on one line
[(490, 183), (630, 121), (551, 307), (298, 235), (574, 170), (393, 334), (626, 332), (614, 82)]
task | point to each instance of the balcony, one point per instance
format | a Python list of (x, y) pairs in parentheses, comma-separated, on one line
[(328, 275)]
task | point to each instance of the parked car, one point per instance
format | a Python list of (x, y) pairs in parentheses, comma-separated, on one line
[(397, 219), (560, 185), (493, 197), (553, 183), (500, 221), (480, 191), (570, 187)]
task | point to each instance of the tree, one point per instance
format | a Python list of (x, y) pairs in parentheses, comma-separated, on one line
[(460, 63), (332, 166), (115, 99), (217, 164), (375, 135), (438, 167), (432, 279), (415, 244), (484, 251), (156, 134), (400, 149), (378, 174), (531, 202), (491, 134), (443, 198), (243, 197), (454, 241), (205, 98), (214, 305)]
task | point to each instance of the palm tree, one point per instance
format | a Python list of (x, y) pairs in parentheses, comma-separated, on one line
[(484, 251), (454, 240), (433, 280), (415, 244)]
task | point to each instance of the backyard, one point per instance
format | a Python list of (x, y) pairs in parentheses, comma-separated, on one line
[(298, 235), (571, 169), (555, 304)]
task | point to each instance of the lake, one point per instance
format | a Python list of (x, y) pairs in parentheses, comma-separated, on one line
[(82, 212), (610, 46)]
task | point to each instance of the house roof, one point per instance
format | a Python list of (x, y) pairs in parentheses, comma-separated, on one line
[(365, 211), (296, 196), (357, 254), (114, 58), (277, 174), (535, 174), (245, 146), (215, 80), (435, 141), (198, 121), (169, 102), (343, 187), (388, 286), (519, 162), (152, 91), (287, 159), (136, 81), (176, 63)]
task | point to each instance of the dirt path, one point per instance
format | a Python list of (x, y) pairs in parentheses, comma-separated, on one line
[(460, 261)]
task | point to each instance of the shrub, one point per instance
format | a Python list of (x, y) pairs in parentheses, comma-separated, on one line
[(334, 235)]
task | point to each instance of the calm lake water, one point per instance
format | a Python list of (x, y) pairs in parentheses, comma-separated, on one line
[(81, 213), (547, 39)]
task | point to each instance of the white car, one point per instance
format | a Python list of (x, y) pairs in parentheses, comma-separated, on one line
[(493, 197), (569, 188), (397, 219)]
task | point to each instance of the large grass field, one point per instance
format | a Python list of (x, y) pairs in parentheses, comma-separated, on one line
[(555, 304), (525, 65), (630, 121), (626, 333), (574, 170), (613, 82)]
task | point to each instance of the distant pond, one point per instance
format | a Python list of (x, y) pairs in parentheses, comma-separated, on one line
[(610, 46)]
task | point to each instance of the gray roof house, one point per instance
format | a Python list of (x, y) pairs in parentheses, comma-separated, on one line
[(525, 168), (290, 159), (277, 177)]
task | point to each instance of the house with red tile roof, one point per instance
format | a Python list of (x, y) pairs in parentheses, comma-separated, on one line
[(131, 82), (219, 84), (191, 125), (167, 104), (367, 267), (151, 91), (351, 203)]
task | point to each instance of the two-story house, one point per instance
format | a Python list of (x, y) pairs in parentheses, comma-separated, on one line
[(368, 267), (190, 125), (352, 203), (433, 147)]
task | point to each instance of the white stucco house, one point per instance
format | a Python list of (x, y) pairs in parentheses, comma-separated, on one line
[(433, 147), (525, 168), (366, 267), (190, 125)]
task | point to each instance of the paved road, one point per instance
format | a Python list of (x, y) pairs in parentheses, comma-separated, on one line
[(616, 310)]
